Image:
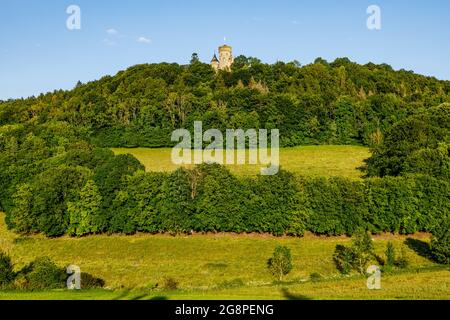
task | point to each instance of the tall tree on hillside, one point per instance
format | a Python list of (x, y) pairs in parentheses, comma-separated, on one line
[(84, 212), (21, 216)]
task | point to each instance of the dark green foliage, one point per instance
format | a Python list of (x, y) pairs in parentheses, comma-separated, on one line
[(406, 204), (88, 281), (432, 162), (176, 207), (337, 205), (390, 255), (275, 205), (339, 102), (7, 274), (44, 274), (440, 243), (209, 198), (354, 257), (280, 264), (109, 177), (344, 258), (417, 144), (315, 277), (218, 198), (50, 148), (41, 274)]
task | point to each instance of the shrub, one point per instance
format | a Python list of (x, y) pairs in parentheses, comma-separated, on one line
[(170, 284), (281, 262), (43, 273), (20, 282), (402, 262), (362, 246), (7, 274), (390, 255), (88, 281), (440, 242), (315, 277), (356, 256), (343, 258), (392, 260)]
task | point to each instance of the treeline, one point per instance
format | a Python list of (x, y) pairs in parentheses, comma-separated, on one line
[(53, 181), (56, 178), (209, 198), (417, 144), (321, 103)]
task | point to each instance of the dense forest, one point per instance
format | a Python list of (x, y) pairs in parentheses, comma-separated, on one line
[(57, 175), (321, 103)]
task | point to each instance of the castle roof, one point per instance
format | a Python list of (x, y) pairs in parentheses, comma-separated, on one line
[(214, 59), (225, 46)]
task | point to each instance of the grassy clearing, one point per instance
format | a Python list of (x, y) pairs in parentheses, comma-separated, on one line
[(307, 160), (426, 284), (221, 266)]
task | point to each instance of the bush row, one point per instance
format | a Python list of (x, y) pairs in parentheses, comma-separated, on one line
[(209, 198)]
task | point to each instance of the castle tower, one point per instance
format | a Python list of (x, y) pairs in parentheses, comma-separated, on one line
[(225, 59), (215, 63)]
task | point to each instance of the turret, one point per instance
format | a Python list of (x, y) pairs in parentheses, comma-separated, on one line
[(215, 63), (226, 57)]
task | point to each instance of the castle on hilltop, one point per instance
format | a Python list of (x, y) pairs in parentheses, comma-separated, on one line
[(225, 59)]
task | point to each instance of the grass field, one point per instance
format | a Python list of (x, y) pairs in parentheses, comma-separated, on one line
[(308, 160), (229, 266), (221, 266)]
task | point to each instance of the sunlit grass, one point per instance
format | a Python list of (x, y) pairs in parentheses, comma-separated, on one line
[(203, 263), (308, 160)]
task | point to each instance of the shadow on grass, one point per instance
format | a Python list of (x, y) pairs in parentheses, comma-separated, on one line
[(290, 296), (122, 295), (128, 295), (139, 296), (159, 298), (420, 247)]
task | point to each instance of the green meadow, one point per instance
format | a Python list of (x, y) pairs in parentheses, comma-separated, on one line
[(221, 266), (306, 160), (230, 266)]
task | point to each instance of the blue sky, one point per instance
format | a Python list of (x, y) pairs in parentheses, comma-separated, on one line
[(39, 54)]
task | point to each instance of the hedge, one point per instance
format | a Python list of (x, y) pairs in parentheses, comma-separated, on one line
[(209, 198)]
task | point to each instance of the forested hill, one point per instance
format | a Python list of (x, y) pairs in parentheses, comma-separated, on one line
[(58, 177), (322, 103)]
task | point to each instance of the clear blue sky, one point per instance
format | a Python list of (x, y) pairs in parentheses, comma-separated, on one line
[(39, 54)]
